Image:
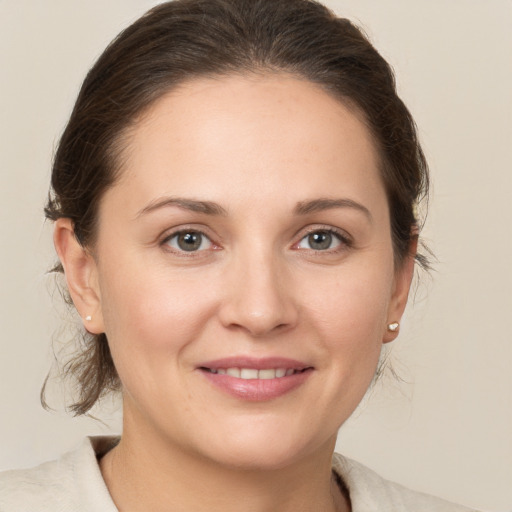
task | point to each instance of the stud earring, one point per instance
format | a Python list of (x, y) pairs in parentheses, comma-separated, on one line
[(393, 327), (88, 318)]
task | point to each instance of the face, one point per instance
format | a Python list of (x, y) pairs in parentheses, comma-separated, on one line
[(244, 269)]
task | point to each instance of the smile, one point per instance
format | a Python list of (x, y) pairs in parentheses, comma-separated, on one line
[(255, 380), (252, 373)]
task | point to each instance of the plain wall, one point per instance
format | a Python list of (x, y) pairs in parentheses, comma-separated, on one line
[(447, 428)]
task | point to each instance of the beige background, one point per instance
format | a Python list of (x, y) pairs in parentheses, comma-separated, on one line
[(447, 429)]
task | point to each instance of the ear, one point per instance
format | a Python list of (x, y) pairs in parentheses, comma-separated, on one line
[(81, 275), (401, 287)]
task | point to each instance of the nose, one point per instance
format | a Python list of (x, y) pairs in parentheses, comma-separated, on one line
[(259, 298)]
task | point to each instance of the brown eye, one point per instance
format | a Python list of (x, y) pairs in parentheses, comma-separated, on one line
[(189, 241)]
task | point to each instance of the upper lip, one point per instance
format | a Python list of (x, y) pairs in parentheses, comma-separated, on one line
[(264, 363)]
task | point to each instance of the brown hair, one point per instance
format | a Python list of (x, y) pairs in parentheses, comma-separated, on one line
[(179, 40)]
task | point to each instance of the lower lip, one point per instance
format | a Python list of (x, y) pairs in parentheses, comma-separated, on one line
[(257, 390)]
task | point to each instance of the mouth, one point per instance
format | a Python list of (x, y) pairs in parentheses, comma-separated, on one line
[(254, 373), (256, 380)]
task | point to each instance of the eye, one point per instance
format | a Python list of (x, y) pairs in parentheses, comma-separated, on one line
[(321, 240), (189, 241)]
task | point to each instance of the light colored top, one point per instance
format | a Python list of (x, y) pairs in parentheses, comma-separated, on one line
[(74, 483)]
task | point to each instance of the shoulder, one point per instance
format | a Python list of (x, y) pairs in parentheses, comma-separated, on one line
[(72, 483), (369, 492), (45, 487)]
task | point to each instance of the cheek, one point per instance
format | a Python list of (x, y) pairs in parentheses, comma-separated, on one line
[(351, 313), (355, 299), (152, 316)]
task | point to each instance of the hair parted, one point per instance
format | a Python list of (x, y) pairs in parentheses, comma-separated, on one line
[(181, 40)]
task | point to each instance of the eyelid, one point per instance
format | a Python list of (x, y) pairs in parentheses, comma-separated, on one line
[(170, 234), (345, 239)]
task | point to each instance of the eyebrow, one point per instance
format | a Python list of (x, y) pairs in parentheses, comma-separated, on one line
[(318, 205), (212, 208), (206, 207)]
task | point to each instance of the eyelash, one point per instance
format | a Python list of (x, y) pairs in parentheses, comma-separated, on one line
[(345, 242), (182, 252)]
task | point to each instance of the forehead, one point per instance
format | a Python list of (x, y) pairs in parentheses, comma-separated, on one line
[(231, 136)]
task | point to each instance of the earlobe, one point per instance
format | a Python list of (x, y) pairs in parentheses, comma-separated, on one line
[(81, 275), (401, 287)]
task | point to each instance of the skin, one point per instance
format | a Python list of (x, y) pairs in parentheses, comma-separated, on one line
[(258, 147)]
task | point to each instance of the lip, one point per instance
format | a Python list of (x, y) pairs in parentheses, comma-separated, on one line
[(256, 390), (255, 363)]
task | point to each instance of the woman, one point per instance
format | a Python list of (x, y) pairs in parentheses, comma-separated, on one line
[(234, 204)]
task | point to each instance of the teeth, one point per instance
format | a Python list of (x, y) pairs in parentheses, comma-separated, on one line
[(252, 373), (267, 374), (233, 372), (246, 373)]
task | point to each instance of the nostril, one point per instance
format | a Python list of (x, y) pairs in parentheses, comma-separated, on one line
[(258, 303)]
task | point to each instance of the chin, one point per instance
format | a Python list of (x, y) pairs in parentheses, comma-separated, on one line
[(264, 449), (256, 458)]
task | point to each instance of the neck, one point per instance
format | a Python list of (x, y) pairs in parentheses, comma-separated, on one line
[(146, 472)]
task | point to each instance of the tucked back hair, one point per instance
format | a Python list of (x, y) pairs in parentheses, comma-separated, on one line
[(184, 39)]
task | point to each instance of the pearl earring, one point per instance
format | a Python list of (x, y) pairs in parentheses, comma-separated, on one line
[(88, 318), (393, 327)]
